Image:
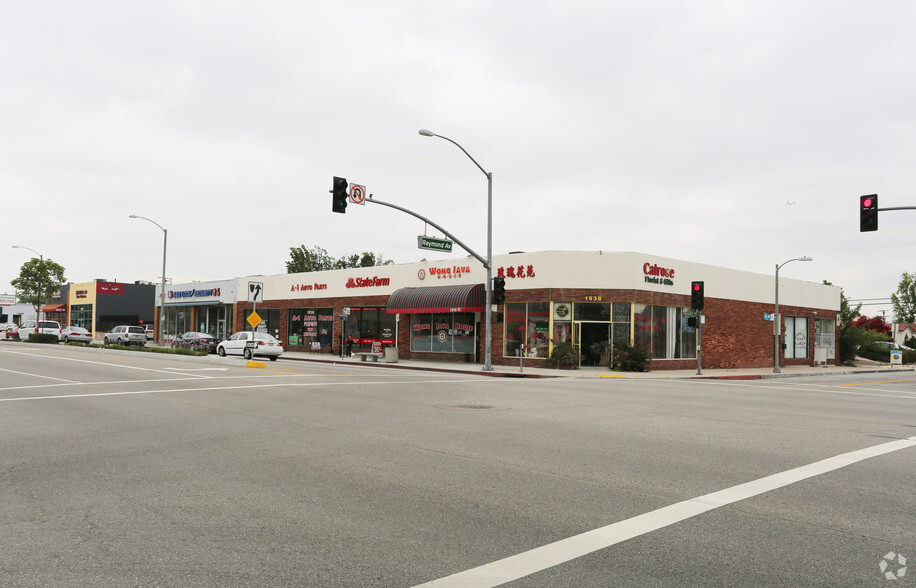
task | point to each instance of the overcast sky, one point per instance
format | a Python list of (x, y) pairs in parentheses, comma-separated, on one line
[(738, 134)]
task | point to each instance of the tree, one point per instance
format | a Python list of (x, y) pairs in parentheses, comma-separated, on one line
[(38, 280), (904, 300), (851, 336), (316, 259), (875, 324)]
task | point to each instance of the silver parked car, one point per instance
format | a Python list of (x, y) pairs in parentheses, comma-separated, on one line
[(78, 334), (126, 335), (248, 344)]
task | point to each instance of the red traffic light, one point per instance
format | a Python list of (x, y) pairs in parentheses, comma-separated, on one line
[(868, 213), (696, 296)]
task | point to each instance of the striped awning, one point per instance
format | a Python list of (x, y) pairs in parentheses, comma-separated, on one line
[(459, 298)]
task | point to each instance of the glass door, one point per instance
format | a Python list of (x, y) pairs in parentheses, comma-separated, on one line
[(593, 341)]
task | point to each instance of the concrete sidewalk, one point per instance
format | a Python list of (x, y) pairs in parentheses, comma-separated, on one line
[(596, 372)]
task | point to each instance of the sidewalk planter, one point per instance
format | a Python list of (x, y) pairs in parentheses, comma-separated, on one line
[(391, 355)]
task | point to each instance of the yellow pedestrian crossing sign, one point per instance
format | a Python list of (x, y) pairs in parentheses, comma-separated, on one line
[(254, 320)]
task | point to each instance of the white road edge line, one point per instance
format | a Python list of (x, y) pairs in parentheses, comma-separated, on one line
[(553, 554)]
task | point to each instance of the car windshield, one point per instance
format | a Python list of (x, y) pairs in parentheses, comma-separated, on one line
[(136, 330), (265, 337), (48, 325)]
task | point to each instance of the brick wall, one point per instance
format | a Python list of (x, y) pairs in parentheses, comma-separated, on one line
[(734, 335)]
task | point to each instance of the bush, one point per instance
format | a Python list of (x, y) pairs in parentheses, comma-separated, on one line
[(882, 353), (564, 354), (627, 358), (44, 338)]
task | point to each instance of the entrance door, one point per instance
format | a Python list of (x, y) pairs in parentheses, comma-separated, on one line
[(593, 341)]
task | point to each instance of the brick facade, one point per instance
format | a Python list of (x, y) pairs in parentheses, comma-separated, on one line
[(734, 334)]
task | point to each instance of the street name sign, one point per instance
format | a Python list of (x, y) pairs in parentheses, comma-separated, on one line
[(433, 244)]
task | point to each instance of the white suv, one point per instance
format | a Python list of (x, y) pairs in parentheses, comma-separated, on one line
[(29, 327), (126, 335)]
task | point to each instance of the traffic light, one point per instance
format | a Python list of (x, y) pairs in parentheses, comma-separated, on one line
[(868, 213), (339, 192), (499, 290), (696, 295)]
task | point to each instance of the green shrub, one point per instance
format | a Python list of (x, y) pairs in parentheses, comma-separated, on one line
[(44, 338), (882, 353), (564, 354), (627, 358)]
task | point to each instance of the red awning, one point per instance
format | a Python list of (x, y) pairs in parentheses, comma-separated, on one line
[(54, 308), (463, 298)]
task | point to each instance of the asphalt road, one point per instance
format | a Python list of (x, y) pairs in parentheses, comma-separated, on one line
[(127, 469)]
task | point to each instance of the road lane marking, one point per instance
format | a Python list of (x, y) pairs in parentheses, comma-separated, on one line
[(541, 558), (117, 365), (880, 382), (37, 376), (229, 388), (803, 387)]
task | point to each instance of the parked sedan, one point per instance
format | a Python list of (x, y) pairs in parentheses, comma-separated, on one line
[(196, 342), (78, 334), (248, 344)]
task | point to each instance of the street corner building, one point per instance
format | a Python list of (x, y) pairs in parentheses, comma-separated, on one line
[(435, 310)]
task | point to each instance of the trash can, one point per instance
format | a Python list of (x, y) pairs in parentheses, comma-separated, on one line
[(391, 355)]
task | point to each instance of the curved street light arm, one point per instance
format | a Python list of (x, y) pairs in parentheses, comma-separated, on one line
[(426, 133)]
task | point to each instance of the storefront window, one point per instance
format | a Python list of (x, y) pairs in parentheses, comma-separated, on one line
[(81, 316), (514, 327), (369, 325), (442, 332), (796, 337), (660, 331), (463, 333), (311, 327), (599, 312), (528, 324), (442, 326), (421, 329), (825, 337), (270, 321)]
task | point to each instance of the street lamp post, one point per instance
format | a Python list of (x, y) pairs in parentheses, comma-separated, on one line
[(776, 321), (41, 258), (165, 238), (488, 353)]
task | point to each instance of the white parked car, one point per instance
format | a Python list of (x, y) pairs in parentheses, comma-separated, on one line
[(248, 344), (126, 335), (78, 334), (29, 327)]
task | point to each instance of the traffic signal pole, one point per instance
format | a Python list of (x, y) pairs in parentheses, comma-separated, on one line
[(488, 343)]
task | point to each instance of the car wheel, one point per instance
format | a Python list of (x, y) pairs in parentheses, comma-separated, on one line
[(273, 358), (65, 339), (174, 345), (221, 351), (106, 342), (247, 354)]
